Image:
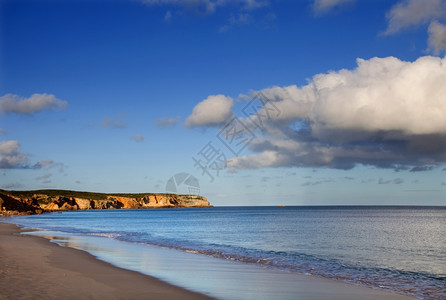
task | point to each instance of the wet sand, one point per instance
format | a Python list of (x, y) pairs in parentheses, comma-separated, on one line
[(33, 267)]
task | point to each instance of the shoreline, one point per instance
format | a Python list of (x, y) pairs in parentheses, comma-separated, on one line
[(31, 266), (26, 257)]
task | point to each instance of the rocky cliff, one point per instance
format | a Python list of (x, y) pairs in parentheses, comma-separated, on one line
[(35, 202)]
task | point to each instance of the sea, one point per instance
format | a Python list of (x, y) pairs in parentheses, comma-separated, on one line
[(397, 249)]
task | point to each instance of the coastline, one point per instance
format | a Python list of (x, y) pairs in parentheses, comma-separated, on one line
[(31, 266), (73, 273), (40, 201)]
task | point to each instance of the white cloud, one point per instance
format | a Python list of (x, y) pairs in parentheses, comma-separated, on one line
[(10, 103), (411, 13), (266, 158), (215, 110), (137, 138), (11, 155), (386, 113), (9, 147), (381, 94), (323, 6), (437, 37)]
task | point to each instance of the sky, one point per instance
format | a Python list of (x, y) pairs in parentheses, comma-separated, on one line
[(246, 102)]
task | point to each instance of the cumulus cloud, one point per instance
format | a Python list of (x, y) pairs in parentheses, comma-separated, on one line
[(11, 155), (215, 110), (385, 113), (408, 14), (324, 6), (137, 138), (11, 103), (437, 37), (165, 122), (2, 131), (411, 13)]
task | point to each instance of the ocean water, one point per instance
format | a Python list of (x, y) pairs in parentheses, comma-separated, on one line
[(398, 249)]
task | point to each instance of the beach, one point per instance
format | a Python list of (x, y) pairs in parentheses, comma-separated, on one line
[(33, 266), (223, 149)]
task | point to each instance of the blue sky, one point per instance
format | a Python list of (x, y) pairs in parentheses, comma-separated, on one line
[(119, 96)]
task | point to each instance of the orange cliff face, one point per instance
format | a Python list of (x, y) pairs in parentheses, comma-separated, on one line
[(160, 201), (38, 203)]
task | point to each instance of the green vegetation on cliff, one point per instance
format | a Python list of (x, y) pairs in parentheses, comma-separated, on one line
[(56, 193), (76, 194)]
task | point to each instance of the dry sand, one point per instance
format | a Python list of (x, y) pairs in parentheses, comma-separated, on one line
[(34, 268)]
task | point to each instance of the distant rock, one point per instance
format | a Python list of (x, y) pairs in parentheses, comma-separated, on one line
[(34, 202)]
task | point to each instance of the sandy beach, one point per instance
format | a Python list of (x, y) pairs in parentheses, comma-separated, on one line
[(32, 266)]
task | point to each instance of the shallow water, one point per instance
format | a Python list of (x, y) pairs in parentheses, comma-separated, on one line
[(401, 249)]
